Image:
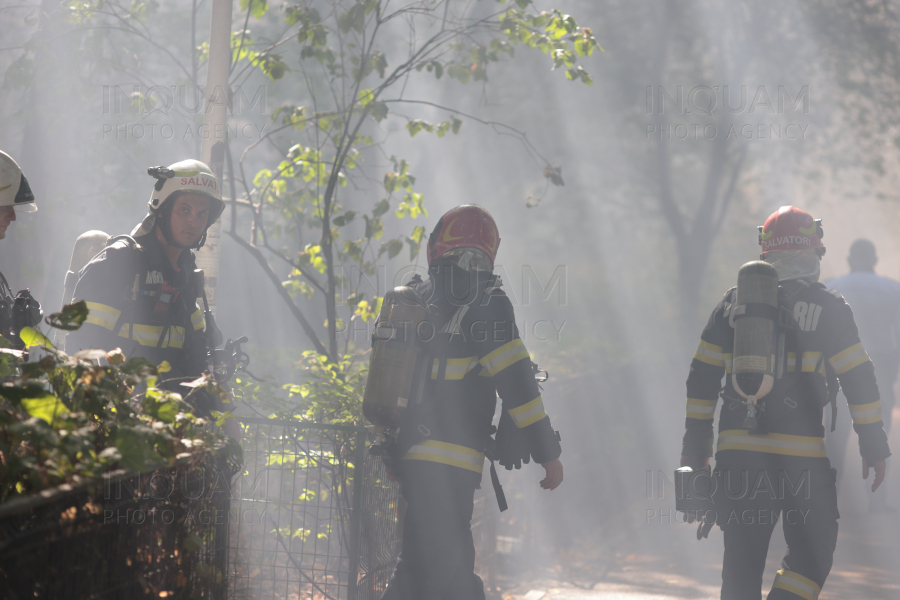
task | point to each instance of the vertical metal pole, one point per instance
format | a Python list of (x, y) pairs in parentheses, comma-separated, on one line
[(356, 516), (212, 148)]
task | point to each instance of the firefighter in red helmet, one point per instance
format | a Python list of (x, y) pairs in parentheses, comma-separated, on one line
[(776, 467), (474, 353)]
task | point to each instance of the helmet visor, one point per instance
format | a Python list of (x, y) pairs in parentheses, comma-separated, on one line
[(468, 259)]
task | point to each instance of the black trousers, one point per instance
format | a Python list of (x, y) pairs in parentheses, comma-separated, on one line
[(437, 558), (752, 496)]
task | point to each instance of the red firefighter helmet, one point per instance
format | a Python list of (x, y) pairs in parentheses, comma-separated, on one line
[(466, 226), (790, 228)]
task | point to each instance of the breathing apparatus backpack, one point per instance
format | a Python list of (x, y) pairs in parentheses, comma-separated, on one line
[(763, 327)]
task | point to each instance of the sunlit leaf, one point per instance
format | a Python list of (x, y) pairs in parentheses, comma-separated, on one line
[(47, 407), (32, 337)]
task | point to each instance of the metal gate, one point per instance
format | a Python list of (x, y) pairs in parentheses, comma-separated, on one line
[(314, 516)]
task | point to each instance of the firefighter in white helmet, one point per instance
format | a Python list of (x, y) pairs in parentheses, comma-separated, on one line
[(143, 290), (21, 310), (774, 467)]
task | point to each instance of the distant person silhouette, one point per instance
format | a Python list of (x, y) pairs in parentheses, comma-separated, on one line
[(875, 302)]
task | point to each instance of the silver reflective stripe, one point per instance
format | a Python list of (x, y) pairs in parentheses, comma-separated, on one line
[(796, 584), (528, 413), (504, 356), (773, 443), (448, 454), (197, 320), (809, 361), (863, 414)]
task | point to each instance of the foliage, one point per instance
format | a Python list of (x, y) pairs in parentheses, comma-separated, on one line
[(321, 188), (329, 392), (67, 419), (355, 79)]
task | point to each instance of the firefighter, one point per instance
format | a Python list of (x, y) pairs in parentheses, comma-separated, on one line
[(779, 469), (21, 310), (142, 290), (474, 353)]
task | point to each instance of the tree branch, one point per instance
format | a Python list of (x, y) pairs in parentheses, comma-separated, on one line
[(273, 277)]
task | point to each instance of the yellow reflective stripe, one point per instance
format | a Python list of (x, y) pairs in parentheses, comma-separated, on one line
[(102, 315), (728, 361), (148, 335), (710, 354), (863, 414), (457, 368), (809, 361), (791, 362), (197, 320), (701, 409), (772, 443), (528, 413), (507, 354), (797, 584), (845, 360), (448, 454)]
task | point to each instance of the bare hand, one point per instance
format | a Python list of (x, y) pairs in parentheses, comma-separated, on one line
[(879, 473), (554, 470)]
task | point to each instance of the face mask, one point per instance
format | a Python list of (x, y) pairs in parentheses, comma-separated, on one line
[(795, 264)]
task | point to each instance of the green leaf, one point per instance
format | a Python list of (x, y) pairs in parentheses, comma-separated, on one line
[(192, 542), (379, 110), (272, 65), (382, 207), (46, 407), (416, 125), (392, 247), (365, 97), (32, 337), (135, 443), (415, 241), (379, 62), (71, 317), (554, 174), (259, 7)]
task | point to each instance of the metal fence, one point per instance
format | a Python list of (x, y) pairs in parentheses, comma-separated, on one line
[(317, 518), (154, 535)]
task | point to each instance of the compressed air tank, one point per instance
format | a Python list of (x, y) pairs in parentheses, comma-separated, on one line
[(755, 315), (87, 246), (397, 363)]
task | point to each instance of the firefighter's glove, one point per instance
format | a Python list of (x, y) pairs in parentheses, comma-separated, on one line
[(511, 446), (27, 311)]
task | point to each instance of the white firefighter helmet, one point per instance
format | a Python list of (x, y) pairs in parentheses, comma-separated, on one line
[(184, 176), (14, 188)]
